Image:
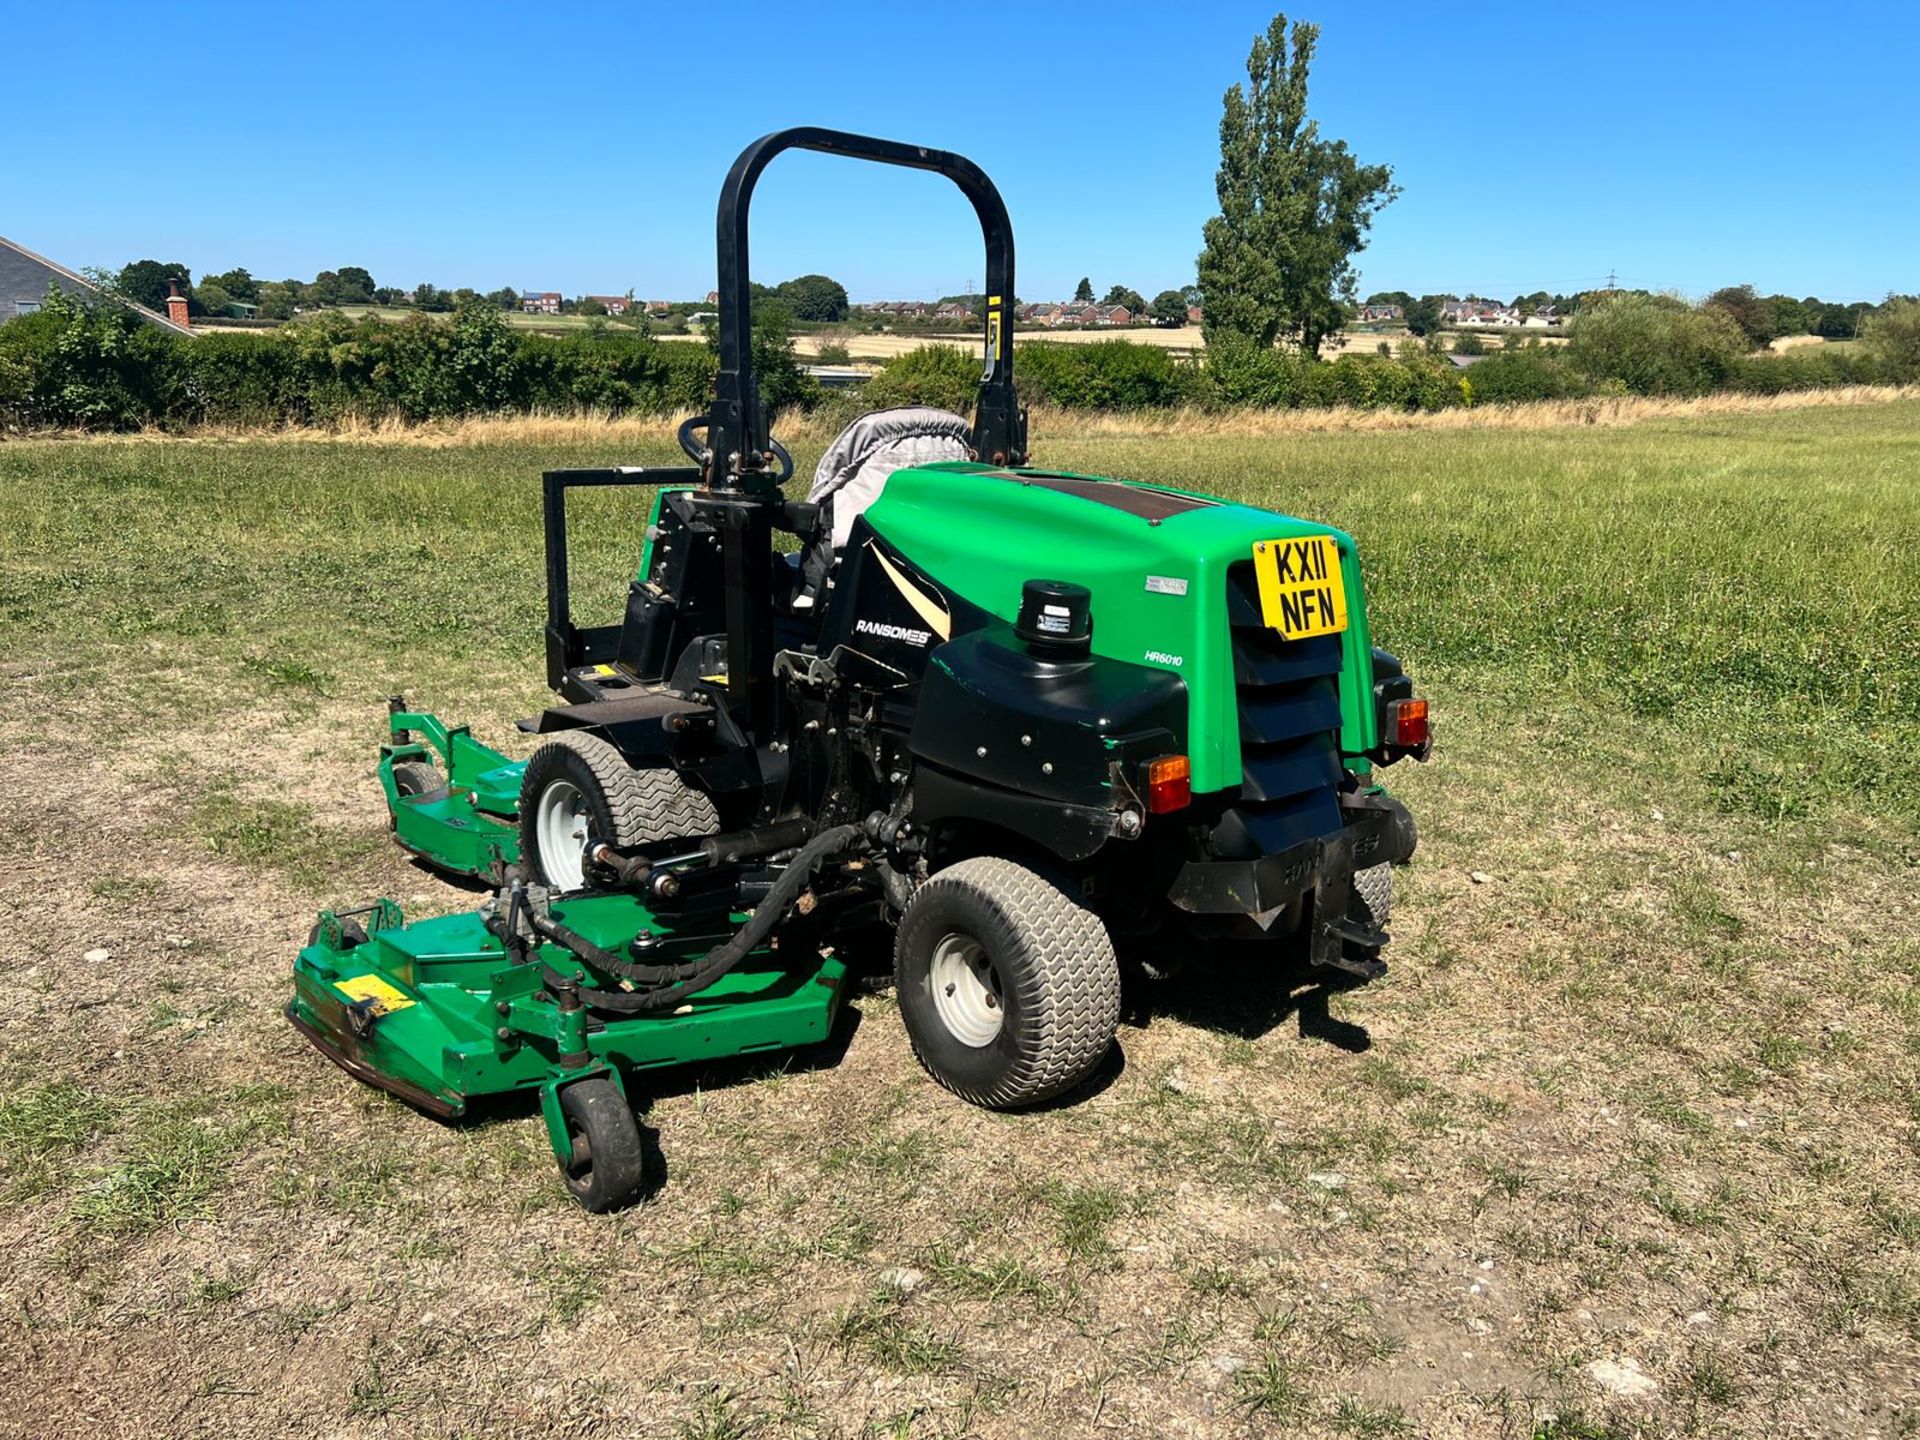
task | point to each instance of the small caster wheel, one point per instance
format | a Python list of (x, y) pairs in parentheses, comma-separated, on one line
[(607, 1167), (416, 777)]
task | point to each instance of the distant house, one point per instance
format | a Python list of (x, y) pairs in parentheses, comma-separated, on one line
[(1194, 315), (954, 310), (1376, 313), (541, 302), (713, 297), (1115, 315), (613, 304), (26, 277), (1478, 312), (658, 307)]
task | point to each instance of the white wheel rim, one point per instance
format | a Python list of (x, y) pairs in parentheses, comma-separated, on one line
[(560, 825), (966, 990)]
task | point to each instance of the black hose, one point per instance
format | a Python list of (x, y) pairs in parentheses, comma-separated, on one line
[(584, 949), (723, 958)]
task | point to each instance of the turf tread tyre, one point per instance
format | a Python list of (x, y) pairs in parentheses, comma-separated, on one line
[(633, 807), (413, 778), (1373, 895), (609, 1165), (1060, 978)]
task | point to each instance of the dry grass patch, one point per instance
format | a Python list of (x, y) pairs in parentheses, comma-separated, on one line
[(1643, 1092)]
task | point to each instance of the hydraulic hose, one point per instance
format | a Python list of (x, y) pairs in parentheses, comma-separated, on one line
[(691, 979)]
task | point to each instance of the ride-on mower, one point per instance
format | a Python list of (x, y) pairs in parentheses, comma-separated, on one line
[(1049, 726)]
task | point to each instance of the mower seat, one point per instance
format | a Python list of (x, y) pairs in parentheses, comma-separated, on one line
[(855, 468), (854, 471)]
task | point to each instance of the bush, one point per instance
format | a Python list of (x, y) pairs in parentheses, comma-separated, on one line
[(95, 366), (936, 375), (1239, 373), (1813, 368), (832, 352), (1533, 372), (1892, 339), (1655, 345), (1105, 375)]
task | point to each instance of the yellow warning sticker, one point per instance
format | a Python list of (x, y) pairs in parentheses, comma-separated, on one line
[(385, 998), (603, 669), (994, 322)]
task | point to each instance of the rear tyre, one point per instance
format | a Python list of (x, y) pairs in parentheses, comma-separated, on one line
[(1007, 983), (1373, 896), (579, 792), (607, 1166)]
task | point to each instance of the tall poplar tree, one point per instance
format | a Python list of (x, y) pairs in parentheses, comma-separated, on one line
[(1294, 208)]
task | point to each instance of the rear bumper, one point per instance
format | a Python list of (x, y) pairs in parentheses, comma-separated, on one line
[(1377, 830)]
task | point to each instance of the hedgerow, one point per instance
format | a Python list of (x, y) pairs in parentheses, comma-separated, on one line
[(75, 365)]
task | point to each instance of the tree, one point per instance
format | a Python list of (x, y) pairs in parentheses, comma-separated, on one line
[(1170, 307), (145, 282), (356, 285), (1789, 316), (278, 299), (1120, 295), (1423, 315), (814, 297), (1753, 315), (1083, 292), (214, 297), (1294, 208), (505, 298), (431, 298), (587, 305), (237, 283), (1892, 335)]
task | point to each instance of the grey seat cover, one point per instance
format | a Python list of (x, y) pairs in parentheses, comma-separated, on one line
[(855, 468)]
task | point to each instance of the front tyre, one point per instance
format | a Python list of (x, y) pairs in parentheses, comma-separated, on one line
[(1007, 983)]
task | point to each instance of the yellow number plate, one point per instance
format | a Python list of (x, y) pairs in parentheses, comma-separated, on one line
[(1301, 590)]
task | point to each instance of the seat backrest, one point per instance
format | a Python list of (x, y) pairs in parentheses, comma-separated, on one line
[(855, 468)]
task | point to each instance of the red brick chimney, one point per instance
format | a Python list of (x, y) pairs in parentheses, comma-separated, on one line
[(176, 304)]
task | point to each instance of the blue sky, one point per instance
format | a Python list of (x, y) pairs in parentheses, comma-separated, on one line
[(581, 147)]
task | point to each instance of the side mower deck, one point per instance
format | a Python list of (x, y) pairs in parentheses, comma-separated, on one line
[(437, 1013), (466, 824)]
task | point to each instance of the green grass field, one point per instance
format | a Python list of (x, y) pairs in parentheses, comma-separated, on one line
[(1644, 1085)]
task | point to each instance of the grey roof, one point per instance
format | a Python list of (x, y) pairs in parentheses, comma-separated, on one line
[(12, 254)]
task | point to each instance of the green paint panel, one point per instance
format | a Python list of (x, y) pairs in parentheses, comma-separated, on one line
[(448, 979), (473, 829), (980, 531)]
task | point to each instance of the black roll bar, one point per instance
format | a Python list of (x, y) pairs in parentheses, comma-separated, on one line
[(737, 432)]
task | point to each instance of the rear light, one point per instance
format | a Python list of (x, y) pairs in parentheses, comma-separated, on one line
[(1169, 784), (1407, 724)]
